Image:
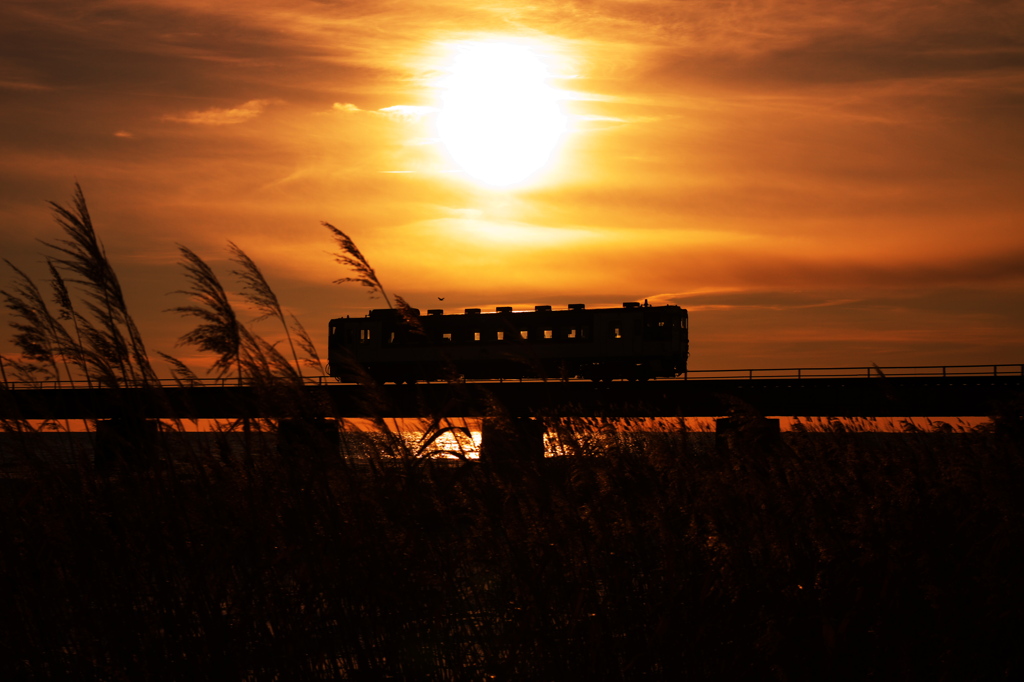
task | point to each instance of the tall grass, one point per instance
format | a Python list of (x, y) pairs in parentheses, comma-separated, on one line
[(645, 556), (639, 552)]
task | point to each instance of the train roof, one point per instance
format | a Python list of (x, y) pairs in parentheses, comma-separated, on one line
[(505, 310)]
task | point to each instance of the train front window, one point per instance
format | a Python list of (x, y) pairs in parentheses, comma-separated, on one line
[(657, 330)]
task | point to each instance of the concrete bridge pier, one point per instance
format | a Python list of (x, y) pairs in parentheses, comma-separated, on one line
[(511, 440)]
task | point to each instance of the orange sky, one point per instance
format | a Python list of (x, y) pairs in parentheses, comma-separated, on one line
[(820, 183)]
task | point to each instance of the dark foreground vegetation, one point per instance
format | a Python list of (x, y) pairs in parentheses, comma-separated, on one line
[(644, 556), (635, 554)]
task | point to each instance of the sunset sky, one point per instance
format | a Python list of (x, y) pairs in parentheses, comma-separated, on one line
[(819, 183)]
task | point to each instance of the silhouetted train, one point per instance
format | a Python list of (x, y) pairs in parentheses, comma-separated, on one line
[(636, 342)]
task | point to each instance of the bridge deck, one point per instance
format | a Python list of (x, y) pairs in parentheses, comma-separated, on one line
[(850, 396)]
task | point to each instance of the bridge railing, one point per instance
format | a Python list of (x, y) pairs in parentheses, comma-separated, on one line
[(857, 372), (692, 375), (201, 382)]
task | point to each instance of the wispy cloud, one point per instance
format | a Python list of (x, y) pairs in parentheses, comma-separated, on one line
[(397, 112), (406, 112), (219, 117), (21, 85)]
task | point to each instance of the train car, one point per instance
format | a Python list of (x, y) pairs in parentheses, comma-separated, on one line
[(635, 342)]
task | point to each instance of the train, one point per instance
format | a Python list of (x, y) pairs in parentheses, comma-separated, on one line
[(634, 342)]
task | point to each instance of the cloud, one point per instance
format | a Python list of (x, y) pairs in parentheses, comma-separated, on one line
[(124, 134), (220, 117), (398, 112), (406, 112), (21, 85)]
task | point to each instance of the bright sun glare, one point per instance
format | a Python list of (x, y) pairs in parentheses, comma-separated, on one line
[(499, 119)]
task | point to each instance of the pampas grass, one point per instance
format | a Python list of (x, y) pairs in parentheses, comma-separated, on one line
[(257, 292), (219, 331), (647, 552), (352, 258), (651, 555), (81, 253)]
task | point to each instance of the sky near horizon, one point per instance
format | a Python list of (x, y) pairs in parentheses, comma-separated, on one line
[(819, 183)]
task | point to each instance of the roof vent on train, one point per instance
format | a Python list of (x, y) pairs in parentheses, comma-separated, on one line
[(542, 308), (577, 306), (472, 311), (504, 309), (392, 312), (631, 304), (435, 311)]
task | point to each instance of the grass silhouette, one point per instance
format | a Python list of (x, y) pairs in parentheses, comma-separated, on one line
[(642, 551)]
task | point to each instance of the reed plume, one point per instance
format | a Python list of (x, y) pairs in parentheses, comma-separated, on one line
[(257, 292), (83, 255), (181, 372), (66, 312), (353, 258), (220, 331), (312, 358), (38, 334), (365, 275)]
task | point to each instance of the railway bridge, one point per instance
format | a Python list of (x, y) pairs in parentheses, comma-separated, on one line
[(746, 394), (933, 391)]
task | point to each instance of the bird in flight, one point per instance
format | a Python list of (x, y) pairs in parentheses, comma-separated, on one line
[(440, 298)]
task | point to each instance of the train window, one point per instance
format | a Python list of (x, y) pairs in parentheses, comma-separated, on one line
[(573, 334), (364, 335), (616, 332), (524, 334), (447, 336), (476, 336), (391, 337), (501, 336), (333, 330), (549, 333)]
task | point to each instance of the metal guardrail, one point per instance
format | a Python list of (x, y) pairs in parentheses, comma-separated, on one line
[(858, 372), (214, 382), (1007, 370)]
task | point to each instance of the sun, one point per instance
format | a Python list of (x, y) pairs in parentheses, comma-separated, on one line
[(500, 120)]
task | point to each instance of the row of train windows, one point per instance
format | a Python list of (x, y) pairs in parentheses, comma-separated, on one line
[(533, 334), (366, 335)]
